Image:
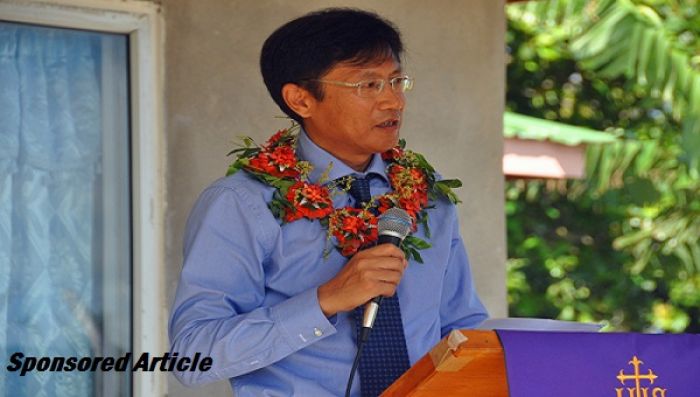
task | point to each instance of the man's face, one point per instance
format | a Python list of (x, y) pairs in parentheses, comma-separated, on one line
[(350, 127)]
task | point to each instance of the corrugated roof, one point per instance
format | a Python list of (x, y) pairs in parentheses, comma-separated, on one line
[(527, 127)]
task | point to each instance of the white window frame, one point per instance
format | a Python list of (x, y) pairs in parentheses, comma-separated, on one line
[(142, 21)]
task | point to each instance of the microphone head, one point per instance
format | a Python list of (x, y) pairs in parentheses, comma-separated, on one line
[(394, 222)]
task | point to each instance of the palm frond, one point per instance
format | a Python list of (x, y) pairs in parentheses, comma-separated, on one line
[(630, 40), (559, 14)]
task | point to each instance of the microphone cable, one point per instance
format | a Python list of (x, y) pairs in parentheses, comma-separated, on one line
[(364, 335)]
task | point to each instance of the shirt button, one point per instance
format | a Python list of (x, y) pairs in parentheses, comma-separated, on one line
[(318, 332)]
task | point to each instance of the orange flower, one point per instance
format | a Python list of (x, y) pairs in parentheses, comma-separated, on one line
[(410, 206), (384, 203), (281, 163), (418, 176), (284, 156), (308, 201), (261, 163), (353, 228), (275, 138), (314, 192), (392, 154), (276, 164), (353, 225)]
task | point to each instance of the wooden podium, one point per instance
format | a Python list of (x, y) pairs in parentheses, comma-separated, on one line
[(464, 363)]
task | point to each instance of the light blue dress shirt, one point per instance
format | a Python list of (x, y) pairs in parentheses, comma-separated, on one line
[(247, 295)]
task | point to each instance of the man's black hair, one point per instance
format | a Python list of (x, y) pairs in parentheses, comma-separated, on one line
[(306, 48)]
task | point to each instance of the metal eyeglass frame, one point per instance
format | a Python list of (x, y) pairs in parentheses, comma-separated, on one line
[(374, 87)]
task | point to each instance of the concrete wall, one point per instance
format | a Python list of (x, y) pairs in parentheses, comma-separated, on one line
[(455, 49)]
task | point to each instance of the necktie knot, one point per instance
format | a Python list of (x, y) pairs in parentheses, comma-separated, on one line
[(359, 190)]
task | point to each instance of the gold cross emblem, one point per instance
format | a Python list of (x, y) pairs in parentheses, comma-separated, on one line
[(637, 377)]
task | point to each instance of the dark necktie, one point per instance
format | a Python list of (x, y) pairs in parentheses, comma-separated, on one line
[(359, 190), (384, 357)]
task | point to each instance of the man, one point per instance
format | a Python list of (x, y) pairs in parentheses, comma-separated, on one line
[(264, 298)]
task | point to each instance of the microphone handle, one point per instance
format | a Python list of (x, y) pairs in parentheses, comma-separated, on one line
[(386, 238), (371, 310)]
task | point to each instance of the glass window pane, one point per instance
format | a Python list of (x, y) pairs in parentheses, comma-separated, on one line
[(65, 221)]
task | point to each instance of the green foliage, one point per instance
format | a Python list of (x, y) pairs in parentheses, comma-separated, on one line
[(411, 246), (634, 41), (445, 187), (243, 153), (622, 245)]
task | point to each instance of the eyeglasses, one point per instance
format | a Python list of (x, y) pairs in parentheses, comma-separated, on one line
[(372, 88)]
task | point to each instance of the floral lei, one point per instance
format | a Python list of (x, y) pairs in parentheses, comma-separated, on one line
[(411, 177)]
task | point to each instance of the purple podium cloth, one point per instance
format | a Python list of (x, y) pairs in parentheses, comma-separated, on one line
[(544, 364)]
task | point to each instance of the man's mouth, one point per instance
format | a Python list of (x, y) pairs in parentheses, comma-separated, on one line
[(389, 123)]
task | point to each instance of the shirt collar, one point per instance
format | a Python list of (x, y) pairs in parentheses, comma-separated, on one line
[(320, 158)]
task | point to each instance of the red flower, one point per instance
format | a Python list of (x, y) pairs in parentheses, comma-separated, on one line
[(314, 192), (411, 206), (353, 225), (275, 163), (261, 163), (275, 138), (384, 203), (421, 198), (284, 156), (418, 176), (353, 228), (407, 182), (392, 154), (280, 163), (394, 173), (308, 201)]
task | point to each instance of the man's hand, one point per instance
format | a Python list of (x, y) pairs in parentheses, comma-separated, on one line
[(371, 272)]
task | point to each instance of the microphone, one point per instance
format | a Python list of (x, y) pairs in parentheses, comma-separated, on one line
[(393, 226)]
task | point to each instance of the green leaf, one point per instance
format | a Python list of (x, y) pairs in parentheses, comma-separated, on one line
[(628, 152), (645, 49), (450, 183), (695, 92), (690, 139), (236, 166), (680, 65), (423, 163), (662, 60), (423, 220), (416, 242), (617, 64), (650, 15), (232, 169), (683, 253), (633, 54), (415, 255), (607, 55), (593, 153), (646, 157), (605, 168), (695, 251), (248, 141), (446, 191), (244, 152), (627, 240)]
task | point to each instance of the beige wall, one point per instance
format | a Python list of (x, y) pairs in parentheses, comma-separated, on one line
[(455, 49)]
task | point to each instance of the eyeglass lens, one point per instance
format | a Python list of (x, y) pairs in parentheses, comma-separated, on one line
[(398, 84)]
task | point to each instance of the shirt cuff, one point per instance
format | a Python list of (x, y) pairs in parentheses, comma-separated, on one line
[(301, 319)]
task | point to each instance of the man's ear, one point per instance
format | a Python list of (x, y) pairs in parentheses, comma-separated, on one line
[(300, 100)]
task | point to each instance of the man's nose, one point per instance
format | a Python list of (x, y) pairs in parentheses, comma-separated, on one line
[(391, 100)]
